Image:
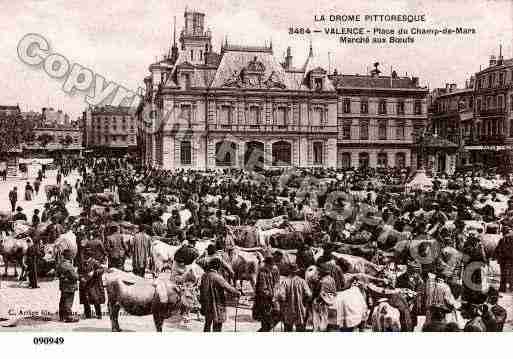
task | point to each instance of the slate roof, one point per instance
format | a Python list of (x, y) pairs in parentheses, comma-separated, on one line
[(366, 81)]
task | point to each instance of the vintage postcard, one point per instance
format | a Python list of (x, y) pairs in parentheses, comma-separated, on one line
[(256, 166)]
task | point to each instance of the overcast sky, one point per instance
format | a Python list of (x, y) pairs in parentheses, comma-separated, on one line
[(120, 38)]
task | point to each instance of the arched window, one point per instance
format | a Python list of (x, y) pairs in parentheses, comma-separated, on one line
[(363, 160), (318, 148), (400, 160), (346, 160), (226, 153), (382, 159), (282, 153)]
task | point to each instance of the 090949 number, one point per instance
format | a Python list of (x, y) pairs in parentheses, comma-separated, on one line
[(48, 340)]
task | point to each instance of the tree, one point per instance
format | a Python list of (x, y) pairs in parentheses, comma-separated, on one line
[(44, 139), (14, 131)]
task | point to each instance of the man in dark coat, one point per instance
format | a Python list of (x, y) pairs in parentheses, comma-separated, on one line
[(187, 253), (115, 247), (437, 322), (68, 278), (141, 251), (20, 216), (504, 255), (34, 252), (91, 291), (267, 279), (13, 198), (213, 298)]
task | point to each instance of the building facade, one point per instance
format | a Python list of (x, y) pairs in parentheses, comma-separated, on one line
[(378, 117), (451, 114), (493, 92), (110, 130), (244, 108)]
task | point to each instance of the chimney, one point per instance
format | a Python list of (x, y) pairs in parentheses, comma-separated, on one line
[(499, 60), (415, 81), (493, 61), (288, 58), (452, 87)]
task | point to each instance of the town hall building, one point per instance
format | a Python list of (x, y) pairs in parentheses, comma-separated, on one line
[(243, 108)]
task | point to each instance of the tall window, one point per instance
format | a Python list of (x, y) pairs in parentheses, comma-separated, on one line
[(511, 128), (346, 160), (400, 160), (363, 160), (254, 116), (346, 131), (317, 116), (317, 153), (501, 78), (281, 117), (400, 107), (186, 115), (347, 105), (500, 102), (511, 103), (382, 129), (382, 159), (282, 153), (364, 106), (225, 116), (382, 108), (364, 130), (192, 55), (226, 153), (478, 105), (399, 130), (185, 153), (418, 107), (488, 102)]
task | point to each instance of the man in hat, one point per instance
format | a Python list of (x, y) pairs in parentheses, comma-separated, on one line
[(68, 279), (115, 248), (188, 252), (412, 280), (504, 255), (438, 322), (324, 296), (141, 251), (438, 292), (13, 198), (499, 313), (35, 218), (20, 216), (213, 290), (294, 296), (267, 279), (335, 271)]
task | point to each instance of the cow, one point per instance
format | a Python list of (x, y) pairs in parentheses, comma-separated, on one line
[(139, 296), (14, 250), (386, 318), (53, 251), (245, 265), (162, 255)]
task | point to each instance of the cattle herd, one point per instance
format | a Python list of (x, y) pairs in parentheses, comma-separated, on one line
[(370, 224)]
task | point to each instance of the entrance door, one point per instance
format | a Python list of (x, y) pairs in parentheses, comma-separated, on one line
[(254, 156)]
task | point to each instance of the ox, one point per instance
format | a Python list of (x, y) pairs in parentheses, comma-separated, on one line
[(139, 296), (14, 250)]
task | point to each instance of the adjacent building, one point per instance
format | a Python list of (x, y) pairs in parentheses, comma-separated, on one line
[(493, 92), (451, 114), (378, 117), (243, 107), (109, 130)]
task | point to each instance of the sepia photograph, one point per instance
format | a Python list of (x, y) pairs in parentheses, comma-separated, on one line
[(255, 166)]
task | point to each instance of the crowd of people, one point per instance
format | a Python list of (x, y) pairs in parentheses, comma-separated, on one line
[(346, 209)]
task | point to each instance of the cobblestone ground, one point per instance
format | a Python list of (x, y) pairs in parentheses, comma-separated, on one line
[(36, 309)]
